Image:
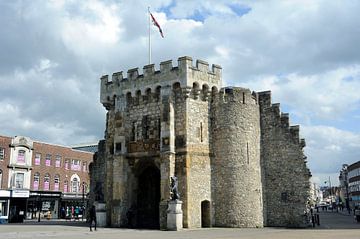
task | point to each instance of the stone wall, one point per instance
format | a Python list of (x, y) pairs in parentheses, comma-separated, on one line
[(236, 176), (286, 176)]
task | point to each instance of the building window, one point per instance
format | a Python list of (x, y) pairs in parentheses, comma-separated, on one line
[(84, 166), (19, 180), (66, 164), (75, 185), (75, 165), (58, 161), (21, 157), (37, 159), (47, 182), (48, 160), (36, 181), (1, 174), (3, 207), (2, 153), (66, 187), (56, 182)]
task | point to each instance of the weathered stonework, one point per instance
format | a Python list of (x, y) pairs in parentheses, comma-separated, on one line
[(237, 161)]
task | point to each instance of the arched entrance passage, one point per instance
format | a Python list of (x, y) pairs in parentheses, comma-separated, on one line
[(148, 198), (205, 214)]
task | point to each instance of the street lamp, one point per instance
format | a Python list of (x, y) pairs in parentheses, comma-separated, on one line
[(83, 200)]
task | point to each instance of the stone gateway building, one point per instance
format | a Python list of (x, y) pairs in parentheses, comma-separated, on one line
[(237, 160)]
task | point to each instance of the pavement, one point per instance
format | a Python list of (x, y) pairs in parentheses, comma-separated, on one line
[(332, 225)]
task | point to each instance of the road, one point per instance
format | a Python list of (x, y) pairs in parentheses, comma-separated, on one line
[(333, 225)]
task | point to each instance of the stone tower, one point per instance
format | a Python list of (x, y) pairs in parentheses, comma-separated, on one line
[(178, 121)]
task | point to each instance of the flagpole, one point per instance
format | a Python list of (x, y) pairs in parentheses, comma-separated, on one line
[(149, 36)]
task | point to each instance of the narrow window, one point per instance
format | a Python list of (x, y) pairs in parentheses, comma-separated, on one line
[(118, 147), (48, 160), (0, 177), (247, 152), (56, 182), (36, 181), (19, 180), (21, 157), (2, 153), (243, 97), (201, 132), (37, 158), (47, 182), (58, 161)]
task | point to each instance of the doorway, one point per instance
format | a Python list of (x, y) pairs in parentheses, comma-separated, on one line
[(148, 198), (205, 214)]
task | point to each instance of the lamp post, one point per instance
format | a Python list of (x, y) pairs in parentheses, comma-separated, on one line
[(83, 200)]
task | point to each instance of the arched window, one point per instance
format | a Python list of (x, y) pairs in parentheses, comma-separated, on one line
[(74, 185), (21, 157), (56, 182), (47, 182), (66, 186), (36, 181)]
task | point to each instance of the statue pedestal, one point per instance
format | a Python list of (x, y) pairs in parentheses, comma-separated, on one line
[(174, 216), (100, 214)]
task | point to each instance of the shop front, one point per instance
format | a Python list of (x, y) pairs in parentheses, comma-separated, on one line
[(4, 206), (44, 204), (18, 202)]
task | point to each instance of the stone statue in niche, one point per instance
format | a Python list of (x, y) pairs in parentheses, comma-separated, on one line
[(174, 193)]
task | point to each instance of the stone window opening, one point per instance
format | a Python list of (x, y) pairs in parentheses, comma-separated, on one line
[(243, 94), (201, 132), (247, 152), (196, 90), (133, 131), (145, 127), (137, 98), (128, 99), (118, 147), (147, 96), (157, 93), (205, 92)]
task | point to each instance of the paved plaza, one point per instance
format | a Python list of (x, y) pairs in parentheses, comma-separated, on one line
[(333, 225)]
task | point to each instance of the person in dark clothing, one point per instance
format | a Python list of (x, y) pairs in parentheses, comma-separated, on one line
[(92, 217)]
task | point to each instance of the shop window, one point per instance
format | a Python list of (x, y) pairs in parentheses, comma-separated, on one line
[(47, 182), (21, 157), (2, 153), (48, 160), (3, 208), (56, 182), (37, 159), (19, 180), (36, 181), (57, 161)]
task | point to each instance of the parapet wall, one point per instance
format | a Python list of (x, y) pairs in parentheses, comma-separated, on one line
[(187, 75)]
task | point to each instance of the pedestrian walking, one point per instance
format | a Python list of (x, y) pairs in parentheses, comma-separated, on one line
[(92, 217)]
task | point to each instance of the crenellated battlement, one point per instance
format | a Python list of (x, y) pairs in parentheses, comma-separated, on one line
[(187, 75), (238, 94)]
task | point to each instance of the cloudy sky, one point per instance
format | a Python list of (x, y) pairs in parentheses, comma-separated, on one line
[(52, 54)]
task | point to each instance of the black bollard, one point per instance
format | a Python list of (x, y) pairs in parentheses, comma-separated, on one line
[(313, 220), (318, 219)]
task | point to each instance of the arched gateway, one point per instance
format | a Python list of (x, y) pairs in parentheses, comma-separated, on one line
[(148, 198)]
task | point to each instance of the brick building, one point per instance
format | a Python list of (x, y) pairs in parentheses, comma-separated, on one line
[(41, 177)]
